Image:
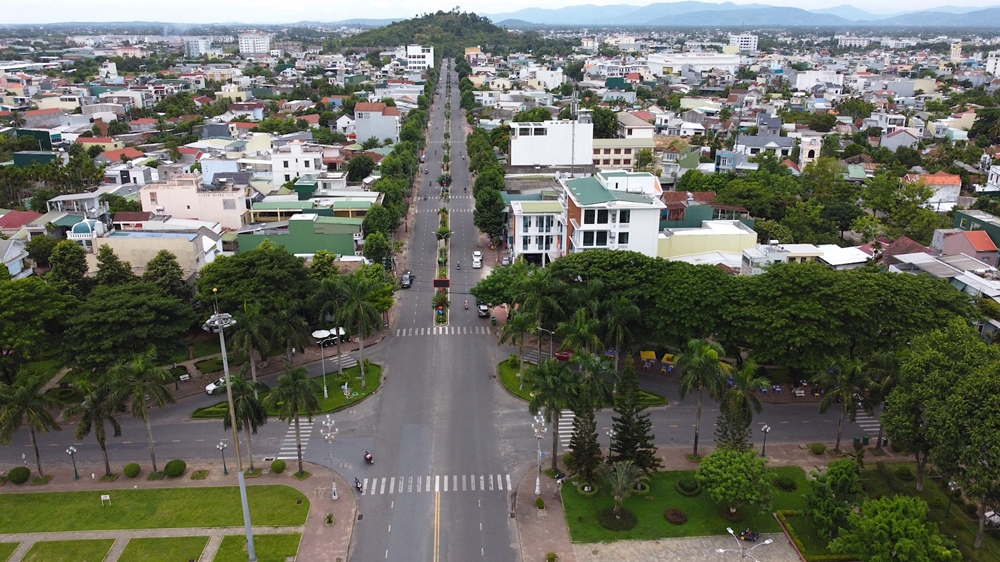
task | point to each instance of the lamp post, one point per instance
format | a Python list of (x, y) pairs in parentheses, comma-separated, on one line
[(539, 427), (347, 392), (71, 451), (321, 336), (765, 430), (743, 551), (329, 435), (218, 322), (952, 486), (611, 439), (549, 332), (222, 447)]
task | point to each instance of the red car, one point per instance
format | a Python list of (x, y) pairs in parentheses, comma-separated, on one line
[(563, 355)]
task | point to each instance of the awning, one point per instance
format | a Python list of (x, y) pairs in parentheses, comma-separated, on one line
[(667, 358), (647, 355)]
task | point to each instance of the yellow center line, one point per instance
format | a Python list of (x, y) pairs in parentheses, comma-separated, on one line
[(437, 523)]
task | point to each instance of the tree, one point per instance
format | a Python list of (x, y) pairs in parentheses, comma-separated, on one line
[(579, 332), (328, 302), (620, 316), (164, 273), (700, 371), (111, 270), (534, 115), (370, 143), (535, 295), (644, 160), (69, 266), (29, 313), (96, 409), (259, 276), (138, 383), (894, 528), (360, 167), (513, 331), (605, 123), (252, 334), (586, 451), (377, 248), (622, 478), (25, 403), (633, 440), (287, 328), (488, 216), (360, 313), (735, 478), (847, 381), (732, 429), (379, 219), (250, 412), (554, 388), (142, 319), (294, 393), (40, 248)]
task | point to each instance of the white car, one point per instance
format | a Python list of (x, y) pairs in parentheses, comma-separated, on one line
[(216, 387), (477, 259)]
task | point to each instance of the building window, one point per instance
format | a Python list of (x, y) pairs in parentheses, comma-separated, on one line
[(618, 151), (548, 244), (288, 178), (962, 224), (307, 163), (597, 151), (618, 161), (588, 239), (624, 216), (607, 151), (602, 238), (524, 131), (630, 132), (285, 163), (628, 151), (526, 221), (623, 237), (152, 200), (538, 242), (588, 216), (539, 132), (602, 216), (229, 204), (607, 161), (524, 243)]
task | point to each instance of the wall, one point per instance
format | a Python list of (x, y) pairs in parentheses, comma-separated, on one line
[(555, 147)]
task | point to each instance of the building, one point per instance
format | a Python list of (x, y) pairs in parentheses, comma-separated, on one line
[(14, 258), (106, 143), (752, 145), (294, 160), (193, 250), (184, 196), (197, 48), (89, 204), (974, 243), (809, 149), (724, 236), (376, 120), (744, 41), (254, 43), (993, 63), (945, 189), (851, 41), (539, 230), (620, 153), (419, 57), (305, 234), (552, 143), (613, 210), (630, 126)]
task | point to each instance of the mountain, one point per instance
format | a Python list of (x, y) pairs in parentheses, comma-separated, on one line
[(851, 13), (664, 9), (750, 17), (570, 15), (366, 22), (989, 17)]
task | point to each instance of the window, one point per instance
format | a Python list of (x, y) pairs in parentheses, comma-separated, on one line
[(618, 151), (307, 163), (624, 216), (526, 222), (285, 163), (623, 237), (588, 216), (524, 243), (548, 244), (607, 161), (628, 151), (588, 239), (538, 242), (524, 131), (607, 151), (618, 161), (754, 150), (152, 199), (962, 224), (602, 216), (229, 204), (597, 151), (288, 178), (602, 238), (539, 132)]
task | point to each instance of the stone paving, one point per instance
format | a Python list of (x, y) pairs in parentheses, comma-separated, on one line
[(694, 549)]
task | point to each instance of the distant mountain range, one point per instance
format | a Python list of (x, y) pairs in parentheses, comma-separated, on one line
[(704, 14)]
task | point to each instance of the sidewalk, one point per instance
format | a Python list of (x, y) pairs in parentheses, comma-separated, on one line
[(319, 542)]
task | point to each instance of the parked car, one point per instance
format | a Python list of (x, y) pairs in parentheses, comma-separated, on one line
[(215, 387), (407, 279), (477, 259), (505, 261), (564, 355), (483, 309)]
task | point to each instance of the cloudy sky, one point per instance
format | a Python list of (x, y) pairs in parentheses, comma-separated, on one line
[(285, 11)]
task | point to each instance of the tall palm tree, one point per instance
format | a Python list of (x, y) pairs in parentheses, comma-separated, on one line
[(844, 379), (360, 313), (700, 371), (553, 388), (25, 403), (580, 331), (596, 369), (748, 384), (289, 328), (294, 394), (16, 119), (250, 412), (96, 409), (138, 383), (884, 368), (328, 301), (620, 315), (535, 295), (252, 333), (622, 478), (513, 331)]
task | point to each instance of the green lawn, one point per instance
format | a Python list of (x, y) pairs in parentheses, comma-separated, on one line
[(704, 515), (6, 549), (47, 368), (373, 377), (272, 505), (203, 346), (510, 381), (169, 549), (813, 544), (269, 548), (69, 551), (214, 365)]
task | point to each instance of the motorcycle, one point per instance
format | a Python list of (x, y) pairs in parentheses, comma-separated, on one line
[(749, 536), (466, 305), (369, 458), (357, 484), (460, 265)]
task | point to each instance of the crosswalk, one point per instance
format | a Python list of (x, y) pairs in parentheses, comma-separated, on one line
[(531, 355), (333, 363), (288, 451), (566, 425), (444, 331), (436, 210), (393, 485), (868, 423)]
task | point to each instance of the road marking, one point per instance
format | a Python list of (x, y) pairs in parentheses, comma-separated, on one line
[(390, 529), (420, 483), (437, 524), (427, 488), (783, 422), (454, 483), (364, 485), (382, 489), (508, 482), (437, 483), (673, 425), (463, 482), (392, 485), (499, 482), (482, 480)]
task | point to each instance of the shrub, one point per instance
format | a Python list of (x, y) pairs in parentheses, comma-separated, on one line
[(785, 483), (19, 475), (593, 489), (641, 489), (817, 448), (904, 473), (895, 448), (570, 462), (606, 517), (175, 468), (675, 516), (512, 361), (551, 557), (539, 503), (132, 470), (971, 509), (937, 502), (278, 466), (688, 487)]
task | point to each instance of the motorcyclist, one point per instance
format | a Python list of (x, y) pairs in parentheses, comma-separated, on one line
[(460, 265), (368, 458), (466, 304), (357, 484)]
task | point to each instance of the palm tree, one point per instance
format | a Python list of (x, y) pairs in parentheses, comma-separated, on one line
[(24, 403), (513, 331), (16, 119), (622, 478), (844, 379), (328, 301), (596, 369), (620, 315), (700, 370), (554, 388), (250, 413), (289, 328), (535, 296), (96, 409), (251, 334), (884, 368), (359, 312), (747, 384), (294, 393), (579, 331), (138, 383)]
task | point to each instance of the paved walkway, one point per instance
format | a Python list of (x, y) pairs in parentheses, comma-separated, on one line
[(320, 543)]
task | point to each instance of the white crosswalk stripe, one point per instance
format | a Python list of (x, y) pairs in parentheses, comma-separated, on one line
[(566, 424), (393, 485), (868, 423), (443, 331), (288, 450)]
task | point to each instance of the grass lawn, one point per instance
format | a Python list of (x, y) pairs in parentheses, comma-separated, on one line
[(47, 368), (272, 505), (704, 515), (805, 529), (69, 551), (269, 548), (510, 381), (6, 549), (335, 402), (203, 346), (169, 549), (214, 365)]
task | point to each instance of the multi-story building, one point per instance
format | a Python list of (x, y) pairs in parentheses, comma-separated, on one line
[(376, 120), (184, 196), (745, 42), (197, 48), (254, 43), (851, 41), (614, 210), (993, 63), (621, 154), (419, 57), (295, 159), (537, 230), (552, 143)]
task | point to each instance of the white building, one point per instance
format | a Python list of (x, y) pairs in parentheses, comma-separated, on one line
[(993, 63), (851, 41), (552, 143), (539, 230), (254, 43), (376, 120), (197, 48), (294, 160), (807, 79), (419, 57), (671, 63), (745, 42), (184, 197)]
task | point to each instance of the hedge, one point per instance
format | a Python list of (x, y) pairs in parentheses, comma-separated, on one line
[(278, 466), (132, 470), (688, 487), (19, 475), (783, 521), (606, 517), (817, 448), (175, 468)]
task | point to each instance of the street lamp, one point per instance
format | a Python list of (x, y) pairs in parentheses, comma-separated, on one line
[(765, 430), (72, 455), (743, 551), (611, 439), (222, 447), (549, 332), (952, 486), (321, 336), (347, 391), (218, 322), (539, 427), (329, 435)]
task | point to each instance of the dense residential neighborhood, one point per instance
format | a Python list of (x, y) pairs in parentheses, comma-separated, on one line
[(678, 238)]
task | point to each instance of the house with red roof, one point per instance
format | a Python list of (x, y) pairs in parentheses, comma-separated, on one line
[(311, 118), (885, 250), (43, 118), (106, 143), (115, 156), (15, 220), (974, 243), (945, 187), (142, 125), (376, 120)]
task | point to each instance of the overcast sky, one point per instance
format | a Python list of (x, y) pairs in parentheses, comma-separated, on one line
[(286, 11)]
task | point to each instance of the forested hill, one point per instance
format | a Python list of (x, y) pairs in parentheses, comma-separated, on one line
[(452, 32)]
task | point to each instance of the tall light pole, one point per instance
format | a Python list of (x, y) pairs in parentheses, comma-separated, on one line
[(549, 332), (743, 551), (952, 486), (765, 430), (611, 440), (329, 435), (539, 427), (218, 322), (72, 455), (222, 447), (321, 336)]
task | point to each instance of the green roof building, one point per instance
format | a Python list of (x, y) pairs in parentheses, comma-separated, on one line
[(305, 234)]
